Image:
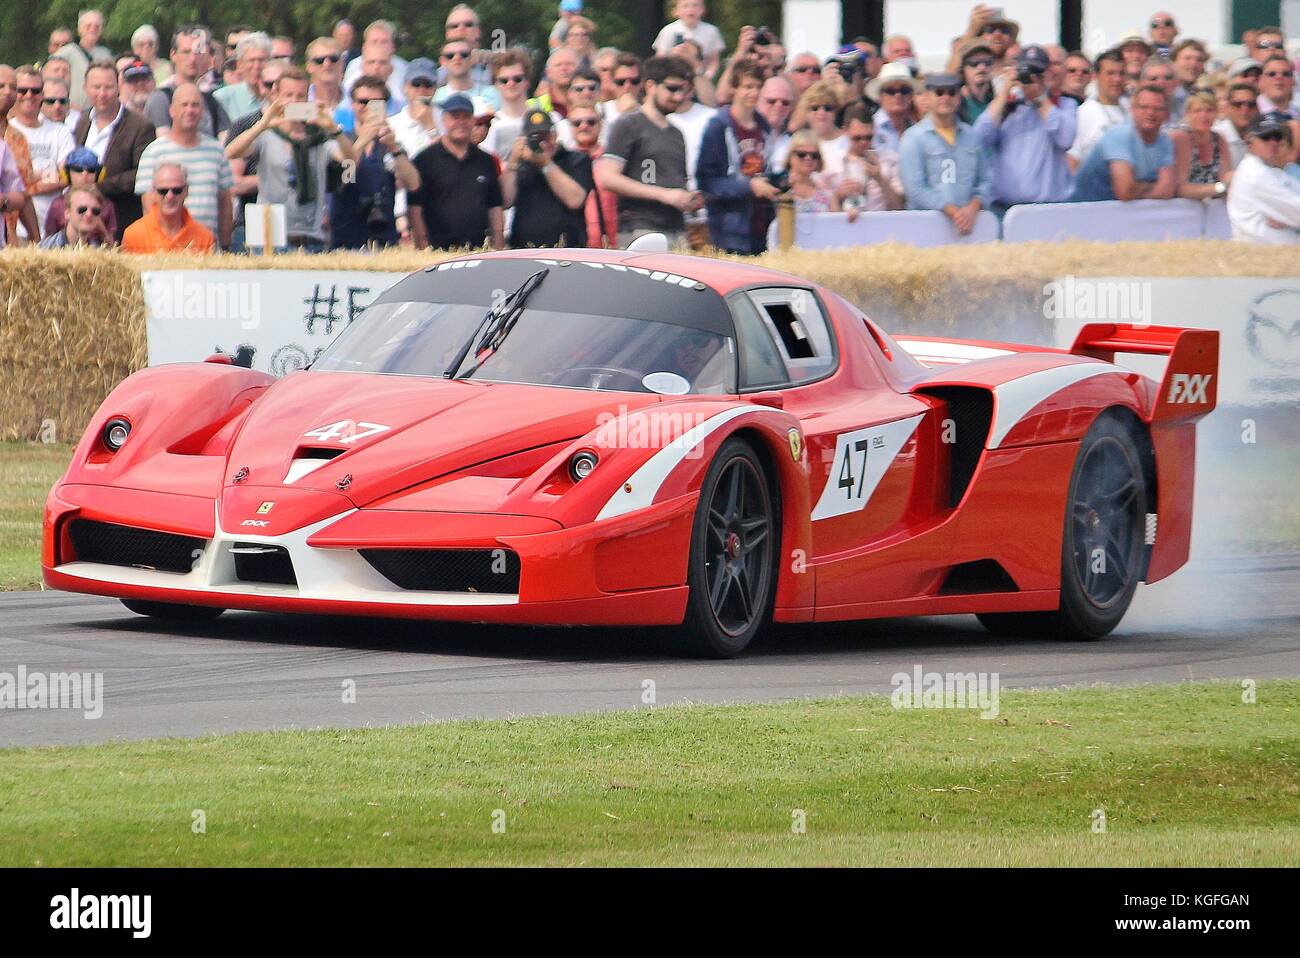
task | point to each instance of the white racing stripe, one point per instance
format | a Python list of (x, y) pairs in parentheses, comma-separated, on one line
[(1017, 396)]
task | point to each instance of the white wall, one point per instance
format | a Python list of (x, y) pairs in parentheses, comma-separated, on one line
[(1105, 21), (932, 24), (812, 25)]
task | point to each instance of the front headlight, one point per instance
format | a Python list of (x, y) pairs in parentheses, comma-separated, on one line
[(116, 432), (581, 464)]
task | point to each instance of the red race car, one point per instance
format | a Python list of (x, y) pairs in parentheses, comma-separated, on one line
[(627, 438)]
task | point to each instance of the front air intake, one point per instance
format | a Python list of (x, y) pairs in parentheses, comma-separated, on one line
[(493, 571), (258, 562), (111, 544)]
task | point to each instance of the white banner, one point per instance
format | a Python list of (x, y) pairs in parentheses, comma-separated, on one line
[(283, 317), (1258, 321)]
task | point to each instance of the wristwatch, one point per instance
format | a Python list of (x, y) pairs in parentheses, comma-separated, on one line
[(547, 168), (1220, 188)]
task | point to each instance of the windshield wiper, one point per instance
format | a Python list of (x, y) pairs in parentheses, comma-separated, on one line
[(496, 325)]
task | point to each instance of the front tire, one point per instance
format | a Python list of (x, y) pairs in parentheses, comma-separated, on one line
[(173, 612), (732, 566), (1101, 553)]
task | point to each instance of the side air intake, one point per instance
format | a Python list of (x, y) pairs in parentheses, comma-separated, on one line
[(965, 430)]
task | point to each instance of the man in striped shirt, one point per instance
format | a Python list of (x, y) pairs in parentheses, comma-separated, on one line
[(202, 158)]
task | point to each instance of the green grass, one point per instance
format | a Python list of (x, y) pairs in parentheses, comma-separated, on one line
[(1186, 775), (27, 472)]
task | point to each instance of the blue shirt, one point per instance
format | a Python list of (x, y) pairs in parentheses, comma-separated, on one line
[(1092, 181), (935, 174), (1029, 154), (343, 114)]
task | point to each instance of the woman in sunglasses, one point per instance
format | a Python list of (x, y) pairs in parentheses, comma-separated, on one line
[(85, 223), (81, 168), (816, 111), (809, 185)]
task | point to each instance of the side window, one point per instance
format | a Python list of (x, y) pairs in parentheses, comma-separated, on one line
[(760, 363), (798, 330)]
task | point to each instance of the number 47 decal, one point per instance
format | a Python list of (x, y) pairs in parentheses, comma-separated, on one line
[(861, 459), (345, 431)]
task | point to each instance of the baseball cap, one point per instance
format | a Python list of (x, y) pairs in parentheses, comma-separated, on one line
[(1270, 123), (1035, 58), (1241, 65), (84, 158), (138, 70), (571, 6), (422, 68), (458, 103), (942, 81)]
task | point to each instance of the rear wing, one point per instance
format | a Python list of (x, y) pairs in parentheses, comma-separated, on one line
[(1189, 387)]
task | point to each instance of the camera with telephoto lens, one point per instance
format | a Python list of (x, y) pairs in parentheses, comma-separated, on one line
[(1026, 75), (764, 37), (376, 221), (780, 179)]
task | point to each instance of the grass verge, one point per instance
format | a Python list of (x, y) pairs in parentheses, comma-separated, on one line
[(1185, 775), (28, 469)]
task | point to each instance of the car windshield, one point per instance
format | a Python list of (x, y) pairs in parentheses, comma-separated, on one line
[(545, 348)]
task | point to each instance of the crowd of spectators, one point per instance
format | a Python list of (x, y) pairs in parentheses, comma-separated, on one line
[(589, 145)]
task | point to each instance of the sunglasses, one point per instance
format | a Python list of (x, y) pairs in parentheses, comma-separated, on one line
[(506, 81), (462, 25), (807, 155), (327, 58), (1251, 72), (944, 91), (821, 107), (777, 101), (456, 55), (1268, 45), (1270, 137), (82, 169), (583, 88), (422, 83), (980, 62), (368, 100), (627, 81), (862, 138), (999, 28), (676, 87), (30, 91), (1157, 24), (51, 100), (169, 190), (897, 91), (816, 70), (1241, 104), (582, 123), (83, 210), (1273, 74)]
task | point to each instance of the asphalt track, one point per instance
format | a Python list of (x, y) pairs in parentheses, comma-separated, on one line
[(247, 671)]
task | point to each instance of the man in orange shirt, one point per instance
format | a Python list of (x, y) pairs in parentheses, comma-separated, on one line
[(168, 226)]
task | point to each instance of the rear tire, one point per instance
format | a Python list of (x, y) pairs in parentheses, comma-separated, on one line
[(731, 570), (1102, 549), (173, 612)]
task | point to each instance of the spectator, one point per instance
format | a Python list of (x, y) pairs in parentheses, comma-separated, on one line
[(59, 38), (457, 61), (458, 202), (871, 59), (1202, 161), (1160, 72), (776, 103), (897, 47), (579, 40), (1264, 201), (345, 35), (748, 50), (690, 25), (116, 139), (144, 44), (734, 161), (82, 169), (600, 211), (1163, 30), (1189, 58), (626, 79), (1246, 70), (807, 186), (363, 210), (1055, 75), (1277, 88), (415, 127), (691, 118), (1266, 42), (569, 9), (1242, 111), (55, 106), (189, 58), (463, 24), (135, 85), (233, 36), (817, 110), (244, 168), (547, 185), (704, 92), (325, 67), (1101, 111), (19, 209), (805, 70), (553, 92), (645, 158), (1027, 134), (283, 49), (846, 74), (84, 221), (584, 89), (1133, 161), (48, 142), (510, 72), (977, 59), (292, 157), (379, 39), (604, 67), (208, 175), (80, 55), (251, 53), (374, 63), (987, 25), (12, 189), (895, 90), (1135, 52), (942, 164), (167, 225), (1078, 76), (56, 68), (870, 181)]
